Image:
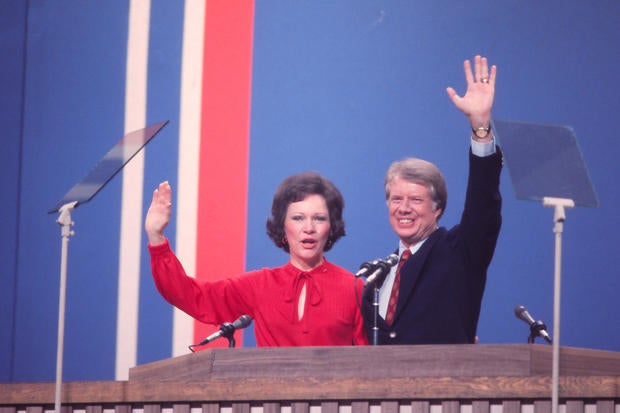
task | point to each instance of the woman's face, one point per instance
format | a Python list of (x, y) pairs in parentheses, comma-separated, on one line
[(306, 227)]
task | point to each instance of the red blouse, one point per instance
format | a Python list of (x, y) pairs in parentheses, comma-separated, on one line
[(331, 316)]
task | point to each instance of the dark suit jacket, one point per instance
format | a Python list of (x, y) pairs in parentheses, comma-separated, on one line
[(442, 284)]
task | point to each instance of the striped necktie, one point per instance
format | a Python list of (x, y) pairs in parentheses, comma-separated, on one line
[(391, 309)]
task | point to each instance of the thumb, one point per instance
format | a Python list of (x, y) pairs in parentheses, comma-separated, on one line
[(452, 94)]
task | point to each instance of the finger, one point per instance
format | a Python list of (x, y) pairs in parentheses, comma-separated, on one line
[(477, 68), (484, 68), (493, 75), (155, 197), (469, 78), (451, 93), (165, 192), (164, 186), (456, 99)]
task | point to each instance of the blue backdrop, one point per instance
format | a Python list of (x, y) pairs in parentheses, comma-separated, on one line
[(342, 87)]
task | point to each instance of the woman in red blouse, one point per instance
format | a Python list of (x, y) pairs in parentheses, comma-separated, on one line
[(307, 302)]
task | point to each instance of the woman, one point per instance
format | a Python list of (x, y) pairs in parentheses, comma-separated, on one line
[(306, 302)]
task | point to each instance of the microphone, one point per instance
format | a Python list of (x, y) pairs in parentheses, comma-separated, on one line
[(536, 327), (367, 267), (382, 269), (227, 329)]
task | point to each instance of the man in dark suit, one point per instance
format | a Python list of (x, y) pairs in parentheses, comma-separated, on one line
[(435, 297)]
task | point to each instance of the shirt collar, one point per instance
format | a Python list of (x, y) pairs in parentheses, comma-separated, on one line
[(414, 248)]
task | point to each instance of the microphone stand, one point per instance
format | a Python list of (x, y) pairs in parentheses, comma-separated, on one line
[(379, 276), (375, 320), (559, 216)]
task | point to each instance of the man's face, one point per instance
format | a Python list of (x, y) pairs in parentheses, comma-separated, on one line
[(411, 211)]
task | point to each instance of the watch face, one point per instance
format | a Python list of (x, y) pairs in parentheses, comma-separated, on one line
[(482, 132)]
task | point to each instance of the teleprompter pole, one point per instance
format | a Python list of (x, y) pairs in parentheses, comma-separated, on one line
[(65, 222), (559, 216)]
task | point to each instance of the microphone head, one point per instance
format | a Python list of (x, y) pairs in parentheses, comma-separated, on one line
[(392, 259), (522, 314), (242, 322), (389, 262), (519, 310)]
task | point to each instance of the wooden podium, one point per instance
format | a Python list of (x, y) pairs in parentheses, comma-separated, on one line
[(512, 378)]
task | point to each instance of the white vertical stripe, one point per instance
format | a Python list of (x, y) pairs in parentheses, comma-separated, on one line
[(189, 155), (133, 176)]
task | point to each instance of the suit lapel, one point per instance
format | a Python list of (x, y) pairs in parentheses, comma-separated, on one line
[(412, 270)]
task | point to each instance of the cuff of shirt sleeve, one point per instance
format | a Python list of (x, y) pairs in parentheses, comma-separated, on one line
[(482, 149), (159, 248)]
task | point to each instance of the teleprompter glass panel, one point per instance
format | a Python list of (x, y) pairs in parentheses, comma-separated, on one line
[(544, 161), (109, 165)]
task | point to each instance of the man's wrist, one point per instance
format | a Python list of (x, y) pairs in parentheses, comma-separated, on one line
[(481, 132)]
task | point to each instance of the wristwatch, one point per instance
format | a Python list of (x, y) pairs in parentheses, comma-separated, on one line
[(481, 132)]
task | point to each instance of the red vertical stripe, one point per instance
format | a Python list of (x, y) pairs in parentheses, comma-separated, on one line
[(224, 148)]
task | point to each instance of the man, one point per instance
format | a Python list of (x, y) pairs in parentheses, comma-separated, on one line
[(435, 297)]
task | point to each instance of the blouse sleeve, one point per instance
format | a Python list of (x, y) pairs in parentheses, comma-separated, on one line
[(212, 302)]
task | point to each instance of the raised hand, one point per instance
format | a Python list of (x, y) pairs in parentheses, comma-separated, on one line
[(477, 102), (158, 215)]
